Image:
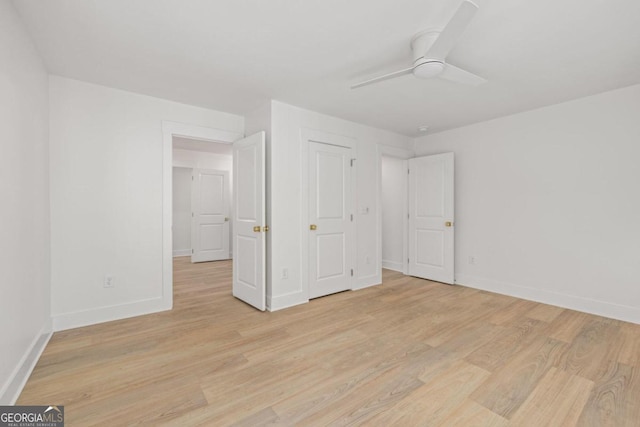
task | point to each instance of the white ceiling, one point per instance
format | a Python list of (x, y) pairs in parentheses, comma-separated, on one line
[(231, 55), (182, 143)]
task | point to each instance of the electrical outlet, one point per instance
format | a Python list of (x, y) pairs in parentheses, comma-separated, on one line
[(472, 260), (109, 282), (285, 273)]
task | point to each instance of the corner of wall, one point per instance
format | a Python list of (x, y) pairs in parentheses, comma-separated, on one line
[(12, 388)]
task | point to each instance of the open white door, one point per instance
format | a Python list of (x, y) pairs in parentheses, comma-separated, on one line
[(249, 220), (431, 250), (210, 215), (330, 226)]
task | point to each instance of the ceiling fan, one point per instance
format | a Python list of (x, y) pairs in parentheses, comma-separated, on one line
[(430, 49)]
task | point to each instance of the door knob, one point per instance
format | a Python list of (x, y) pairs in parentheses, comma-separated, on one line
[(226, 219), (265, 228), (256, 229), (448, 224), (313, 227)]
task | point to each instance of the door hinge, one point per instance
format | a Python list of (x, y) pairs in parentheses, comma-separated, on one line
[(352, 160), (192, 251), (191, 177), (408, 171), (407, 260), (351, 217), (192, 215), (352, 272)]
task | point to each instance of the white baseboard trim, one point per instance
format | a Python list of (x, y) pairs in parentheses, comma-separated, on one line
[(15, 383), (587, 305), (78, 319), (365, 282), (181, 252), (286, 301), (392, 265)]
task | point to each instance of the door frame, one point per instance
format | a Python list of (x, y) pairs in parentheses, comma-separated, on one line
[(312, 135), (405, 155), (169, 130)]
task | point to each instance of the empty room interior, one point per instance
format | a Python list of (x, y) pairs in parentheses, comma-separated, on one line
[(417, 212)]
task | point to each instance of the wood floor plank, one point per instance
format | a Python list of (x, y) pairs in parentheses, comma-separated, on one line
[(506, 390), (470, 413), (435, 401), (607, 402), (408, 352), (558, 400), (494, 355)]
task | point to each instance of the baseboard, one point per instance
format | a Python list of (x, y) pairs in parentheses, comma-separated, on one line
[(286, 301), (181, 252), (573, 302), (367, 281), (392, 265), (15, 383), (78, 319)]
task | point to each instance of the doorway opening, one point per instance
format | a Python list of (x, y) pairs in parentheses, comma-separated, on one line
[(201, 205), (394, 209), (195, 136), (393, 166)]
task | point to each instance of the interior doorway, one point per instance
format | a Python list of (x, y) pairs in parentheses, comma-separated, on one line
[(191, 140), (394, 207), (394, 210), (202, 188)]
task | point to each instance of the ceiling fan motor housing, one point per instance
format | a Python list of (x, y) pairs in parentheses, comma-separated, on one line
[(428, 68)]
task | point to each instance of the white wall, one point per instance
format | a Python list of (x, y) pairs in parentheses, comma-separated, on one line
[(106, 198), (394, 209), (287, 223), (24, 214), (547, 203), (181, 219), (184, 161)]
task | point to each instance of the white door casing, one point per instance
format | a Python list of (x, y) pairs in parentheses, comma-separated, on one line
[(210, 194), (249, 220), (431, 216), (330, 219)]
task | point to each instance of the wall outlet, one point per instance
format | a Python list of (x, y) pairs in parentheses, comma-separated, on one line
[(472, 260), (109, 282), (285, 273)]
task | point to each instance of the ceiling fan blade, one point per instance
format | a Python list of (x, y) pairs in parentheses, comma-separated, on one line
[(458, 75), (452, 31), (382, 78)]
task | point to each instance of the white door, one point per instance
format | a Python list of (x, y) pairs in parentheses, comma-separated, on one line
[(330, 219), (431, 225), (210, 215), (249, 224)]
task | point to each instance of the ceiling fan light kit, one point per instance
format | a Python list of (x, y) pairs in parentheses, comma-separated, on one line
[(430, 49)]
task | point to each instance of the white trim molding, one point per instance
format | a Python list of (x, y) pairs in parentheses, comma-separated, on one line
[(587, 305), (15, 383)]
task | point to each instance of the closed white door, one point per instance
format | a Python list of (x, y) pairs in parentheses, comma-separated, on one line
[(431, 227), (249, 224), (330, 219), (210, 215)]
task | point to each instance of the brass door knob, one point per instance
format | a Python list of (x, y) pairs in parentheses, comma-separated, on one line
[(448, 224), (265, 228), (226, 219), (256, 228), (313, 227)]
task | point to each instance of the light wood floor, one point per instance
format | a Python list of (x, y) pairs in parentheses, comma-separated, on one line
[(409, 352)]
